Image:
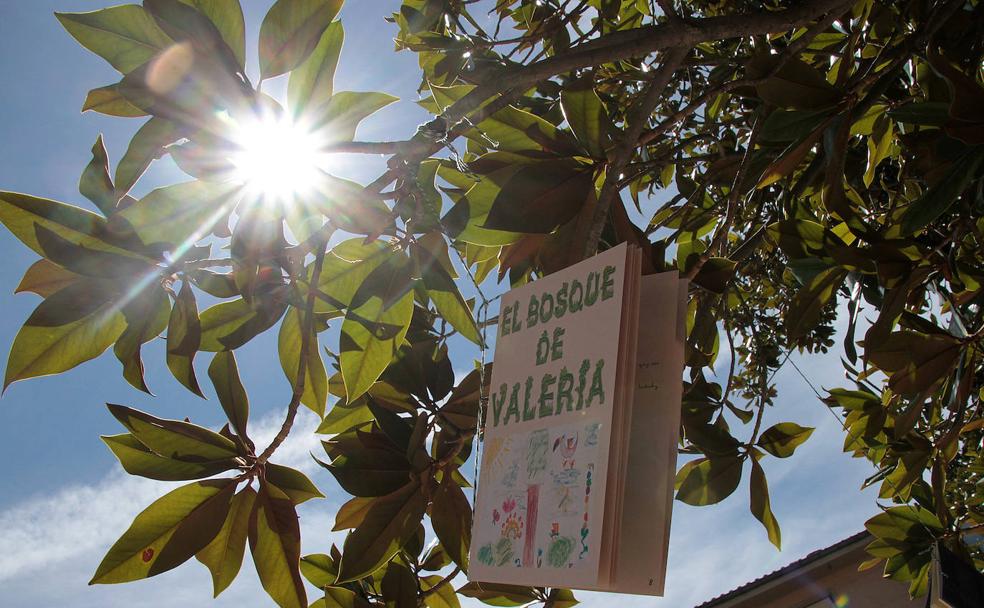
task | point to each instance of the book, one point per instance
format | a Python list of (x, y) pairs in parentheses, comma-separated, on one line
[(581, 429)]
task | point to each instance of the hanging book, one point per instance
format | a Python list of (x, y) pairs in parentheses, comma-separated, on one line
[(583, 398)]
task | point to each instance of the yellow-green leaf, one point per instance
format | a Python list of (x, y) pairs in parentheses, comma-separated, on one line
[(108, 100), (174, 439), (292, 482), (224, 555), (315, 394), (290, 31), (168, 532), (229, 387), (782, 439), (451, 516), (138, 459), (275, 542), (126, 36), (311, 85), (760, 505), (227, 16), (707, 481)]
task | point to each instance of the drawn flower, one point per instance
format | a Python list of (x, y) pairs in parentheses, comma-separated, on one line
[(509, 504), (496, 516)]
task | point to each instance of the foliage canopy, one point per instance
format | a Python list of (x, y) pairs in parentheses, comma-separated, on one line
[(822, 157)]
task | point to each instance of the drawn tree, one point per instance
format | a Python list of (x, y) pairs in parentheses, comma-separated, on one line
[(821, 160)]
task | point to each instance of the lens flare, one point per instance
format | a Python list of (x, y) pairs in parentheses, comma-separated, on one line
[(277, 160)]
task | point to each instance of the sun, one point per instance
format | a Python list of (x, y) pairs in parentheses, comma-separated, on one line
[(276, 159)]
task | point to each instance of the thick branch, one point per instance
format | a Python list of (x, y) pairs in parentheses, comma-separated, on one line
[(636, 120)]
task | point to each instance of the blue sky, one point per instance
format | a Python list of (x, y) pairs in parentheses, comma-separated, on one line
[(63, 498)]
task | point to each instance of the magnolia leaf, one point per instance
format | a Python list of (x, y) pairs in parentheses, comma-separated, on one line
[(174, 439), (319, 569), (375, 325), (370, 471), (552, 193), (760, 505), (587, 117), (341, 114), (224, 555), (399, 585), (126, 36), (137, 459), (76, 324), (23, 214), (707, 481), (344, 416), (95, 183), (352, 513), (229, 325), (443, 291), (227, 17), (390, 522), (312, 83), (108, 100), (345, 268), (292, 482), (796, 84), (944, 193), (791, 158), (146, 146), (184, 334), (451, 517), (229, 387), (93, 262), (561, 598), (914, 361), (879, 146), (315, 394), (168, 532), (146, 314), (496, 594), (46, 278), (181, 214), (441, 597), (782, 439), (340, 597), (275, 542), (808, 303), (290, 31)]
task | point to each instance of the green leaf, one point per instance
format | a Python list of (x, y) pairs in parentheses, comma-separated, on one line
[(370, 471), (275, 542), (390, 522), (174, 439), (224, 555), (290, 31), (434, 262), (319, 569), (443, 597), (807, 306), (466, 219), (137, 459), (227, 16), (352, 513), (760, 505), (782, 439), (552, 192), (146, 314), (168, 532), (587, 117), (879, 146), (496, 594), (315, 394), (311, 85), (451, 516), (146, 146), (22, 214), (561, 598), (126, 36), (292, 482), (791, 158), (340, 116), (232, 394), (182, 214), (344, 416), (375, 325), (716, 274), (708, 481), (340, 597), (229, 325), (399, 586), (345, 268), (796, 85), (184, 335), (108, 100), (93, 262), (944, 193), (71, 327), (914, 361), (95, 183), (46, 278)]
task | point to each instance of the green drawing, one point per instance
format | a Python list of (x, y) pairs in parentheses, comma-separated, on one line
[(503, 551), (485, 554), (536, 457), (559, 551)]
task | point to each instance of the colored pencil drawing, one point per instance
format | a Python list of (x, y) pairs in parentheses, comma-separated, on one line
[(485, 554), (536, 455), (503, 551), (591, 434), (559, 551)]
